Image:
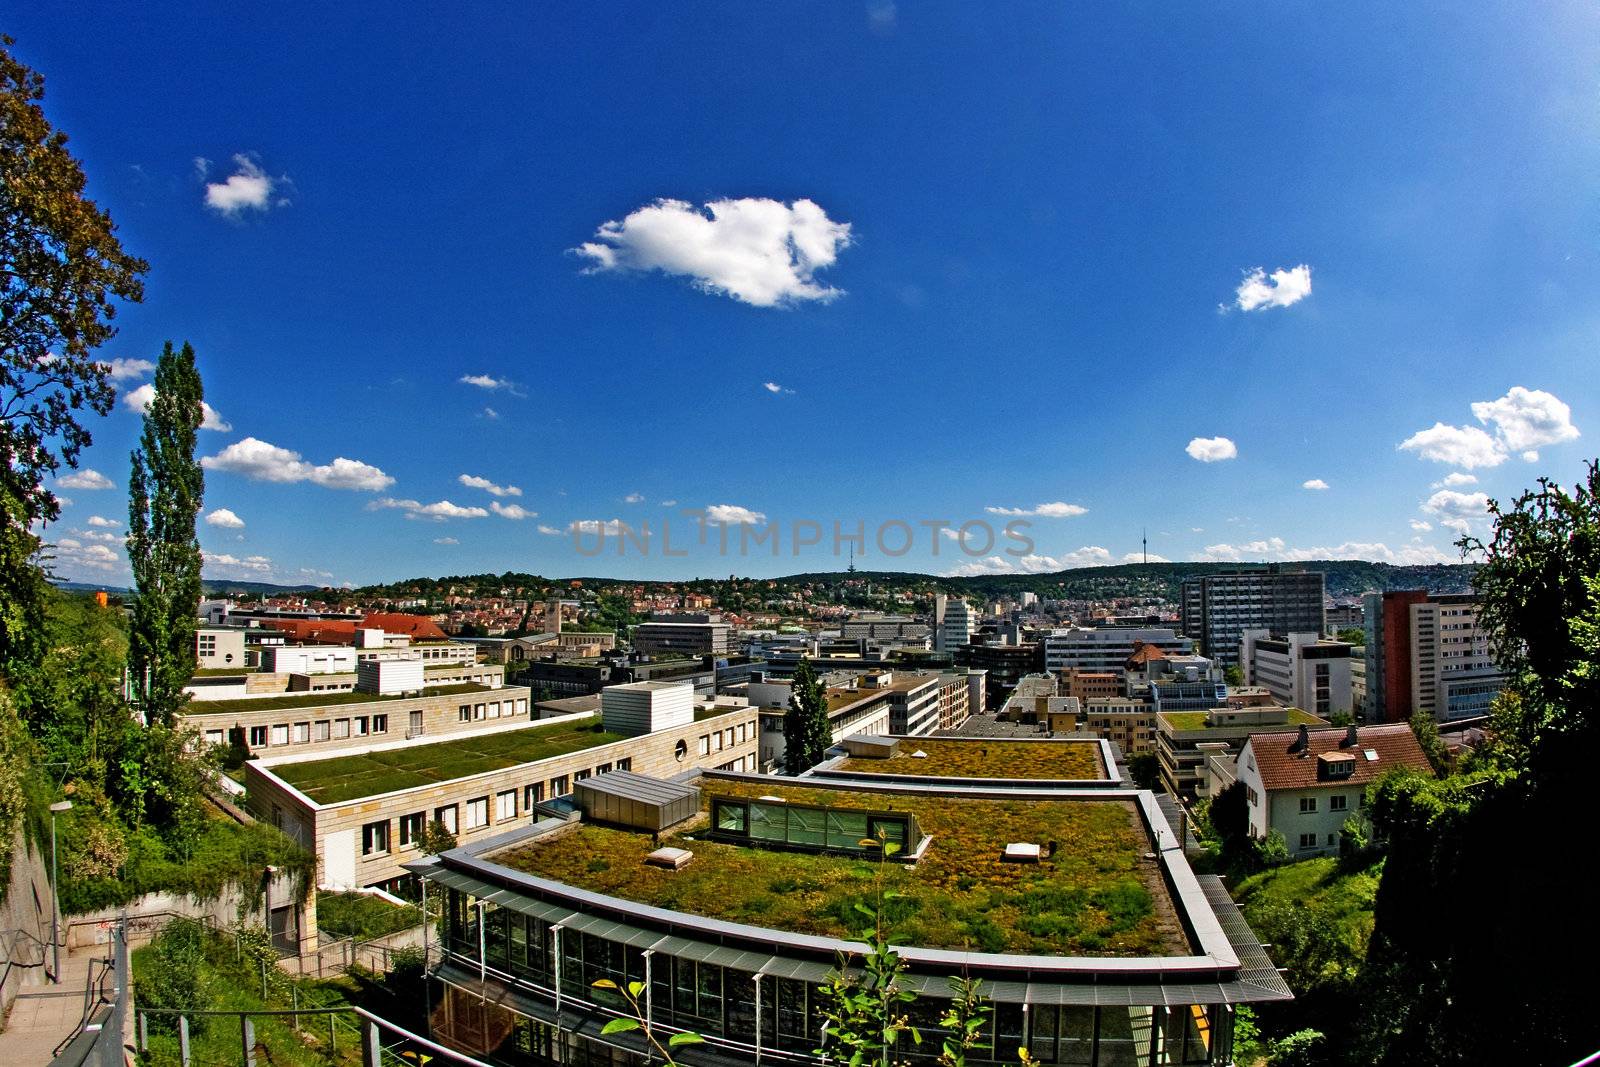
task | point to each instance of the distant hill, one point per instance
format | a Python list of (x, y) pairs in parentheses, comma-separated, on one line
[(209, 587)]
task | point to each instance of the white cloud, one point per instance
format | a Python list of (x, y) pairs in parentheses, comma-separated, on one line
[(103, 523), (88, 478), (438, 511), (1420, 526), (264, 462), (1459, 446), (512, 511), (248, 188), (490, 382), (472, 481), (609, 527), (633, 498), (774, 387), (139, 400), (225, 518), (98, 535), (489, 413), (758, 251), (1527, 419), (1274, 549), (1277, 290), (882, 16), (549, 531), (1524, 420), (733, 515), (249, 566), (1455, 480), (669, 503), (1456, 511), (1087, 556), (1139, 557), (123, 369), (1211, 449), (94, 557), (445, 541), (1055, 510), (1314, 483)]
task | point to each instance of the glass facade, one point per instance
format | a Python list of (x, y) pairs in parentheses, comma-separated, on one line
[(720, 1004), (777, 824)]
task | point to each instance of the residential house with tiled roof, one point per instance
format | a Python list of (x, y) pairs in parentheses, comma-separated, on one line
[(1305, 784)]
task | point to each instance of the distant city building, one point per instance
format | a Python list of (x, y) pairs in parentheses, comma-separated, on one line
[(1006, 666), (1302, 670), (684, 635), (1107, 648), (953, 623), (1219, 608), (1185, 738), (1429, 653)]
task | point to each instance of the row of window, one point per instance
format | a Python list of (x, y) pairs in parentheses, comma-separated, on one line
[(475, 814), (1336, 802), (720, 1002), (491, 710), (300, 733)]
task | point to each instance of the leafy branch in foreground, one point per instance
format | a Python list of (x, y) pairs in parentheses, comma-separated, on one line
[(640, 1020)]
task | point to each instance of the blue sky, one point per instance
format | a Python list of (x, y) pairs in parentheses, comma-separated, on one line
[(990, 258)]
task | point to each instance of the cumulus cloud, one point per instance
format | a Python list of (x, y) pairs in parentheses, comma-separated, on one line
[(1276, 290), (124, 369), (1087, 556), (1314, 483), (234, 566), (1455, 480), (633, 498), (490, 382), (1523, 421), (1527, 419), (88, 478), (774, 387), (1275, 549), (608, 527), (1420, 526), (1211, 449), (472, 481), (225, 518), (733, 515), (102, 522), (548, 531), (95, 557), (1457, 511), (1139, 557), (1055, 510), (512, 511), (263, 462), (758, 251), (438, 511), (248, 188), (140, 398)]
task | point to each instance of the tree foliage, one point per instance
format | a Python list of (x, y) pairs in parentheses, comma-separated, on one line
[(1458, 962), (807, 733), (62, 271), (165, 490)]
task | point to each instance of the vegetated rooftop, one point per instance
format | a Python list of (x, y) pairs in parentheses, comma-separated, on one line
[(1196, 720), (317, 700), (341, 778), (1097, 895), (1064, 760)]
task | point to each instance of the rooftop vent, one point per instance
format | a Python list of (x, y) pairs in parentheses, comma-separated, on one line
[(919, 754), (1022, 852), (673, 859)]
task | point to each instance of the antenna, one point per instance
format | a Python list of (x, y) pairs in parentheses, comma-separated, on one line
[(1145, 541), (852, 557)]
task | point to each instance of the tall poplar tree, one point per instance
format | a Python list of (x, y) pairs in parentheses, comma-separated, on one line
[(165, 490), (807, 734)]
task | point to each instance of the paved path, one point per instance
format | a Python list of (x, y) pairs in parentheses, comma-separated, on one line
[(45, 1016)]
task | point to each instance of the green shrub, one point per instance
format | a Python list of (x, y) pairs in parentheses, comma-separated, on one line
[(173, 975), (362, 916)]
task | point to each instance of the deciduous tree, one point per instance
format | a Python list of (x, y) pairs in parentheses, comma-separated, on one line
[(807, 733)]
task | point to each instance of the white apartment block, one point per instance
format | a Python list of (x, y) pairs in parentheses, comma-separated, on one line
[(1301, 670), (953, 623), (1107, 648)]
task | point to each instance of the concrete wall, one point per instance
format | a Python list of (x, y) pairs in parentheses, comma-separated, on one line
[(24, 921)]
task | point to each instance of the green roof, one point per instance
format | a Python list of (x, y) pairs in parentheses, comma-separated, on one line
[(1097, 894), (1064, 760), (1196, 720), (342, 778)]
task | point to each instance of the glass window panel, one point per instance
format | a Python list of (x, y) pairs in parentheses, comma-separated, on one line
[(1042, 1036), (768, 822), (808, 826), (846, 829), (1076, 1037), (731, 817)]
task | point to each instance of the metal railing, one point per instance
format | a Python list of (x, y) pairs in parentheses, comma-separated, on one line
[(380, 1041), (98, 1039)]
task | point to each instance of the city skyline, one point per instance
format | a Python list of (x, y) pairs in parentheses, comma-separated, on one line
[(1239, 278)]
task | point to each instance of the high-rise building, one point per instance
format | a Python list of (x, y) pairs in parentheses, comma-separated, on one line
[(1107, 648), (1302, 670), (1219, 608), (1427, 652), (953, 624)]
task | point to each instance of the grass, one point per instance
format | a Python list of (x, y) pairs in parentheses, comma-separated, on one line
[(331, 781), (1057, 760), (317, 700), (362, 916), (1196, 720), (1341, 896), (1096, 896)]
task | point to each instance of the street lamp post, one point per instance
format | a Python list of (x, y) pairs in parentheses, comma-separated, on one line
[(55, 892)]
